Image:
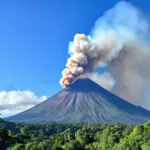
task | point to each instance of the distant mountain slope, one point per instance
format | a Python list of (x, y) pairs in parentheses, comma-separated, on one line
[(84, 101)]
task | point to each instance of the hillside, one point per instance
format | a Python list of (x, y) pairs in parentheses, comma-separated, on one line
[(84, 101)]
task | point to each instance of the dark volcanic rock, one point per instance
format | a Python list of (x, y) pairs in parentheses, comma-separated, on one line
[(84, 101)]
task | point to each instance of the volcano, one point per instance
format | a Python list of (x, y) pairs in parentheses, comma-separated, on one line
[(84, 101)]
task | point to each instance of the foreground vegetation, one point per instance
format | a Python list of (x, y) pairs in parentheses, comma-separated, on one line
[(81, 136)]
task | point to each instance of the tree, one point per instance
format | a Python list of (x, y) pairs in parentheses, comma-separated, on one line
[(73, 145), (83, 137), (17, 147), (44, 145), (23, 130), (3, 138), (146, 146), (11, 133), (138, 130)]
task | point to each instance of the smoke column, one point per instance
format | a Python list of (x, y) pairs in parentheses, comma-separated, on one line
[(120, 41)]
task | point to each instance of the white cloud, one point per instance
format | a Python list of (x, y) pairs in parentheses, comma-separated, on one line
[(13, 102)]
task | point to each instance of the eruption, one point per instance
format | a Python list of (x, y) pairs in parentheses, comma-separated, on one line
[(86, 54), (118, 40)]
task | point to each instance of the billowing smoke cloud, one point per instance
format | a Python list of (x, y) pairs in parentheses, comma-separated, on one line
[(105, 79), (120, 40), (87, 54)]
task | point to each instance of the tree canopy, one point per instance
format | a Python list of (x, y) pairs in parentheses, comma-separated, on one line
[(77, 136)]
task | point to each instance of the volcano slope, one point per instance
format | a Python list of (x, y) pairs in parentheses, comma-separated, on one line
[(84, 101)]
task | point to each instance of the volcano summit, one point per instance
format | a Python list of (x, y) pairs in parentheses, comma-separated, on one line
[(84, 101)]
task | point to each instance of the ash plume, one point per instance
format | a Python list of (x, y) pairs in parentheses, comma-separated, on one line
[(120, 40), (105, 79), (87, 54)]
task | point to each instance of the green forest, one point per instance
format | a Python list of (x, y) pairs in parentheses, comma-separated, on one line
[(77, 136)]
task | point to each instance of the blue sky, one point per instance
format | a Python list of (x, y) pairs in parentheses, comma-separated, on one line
[(34, 33)]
